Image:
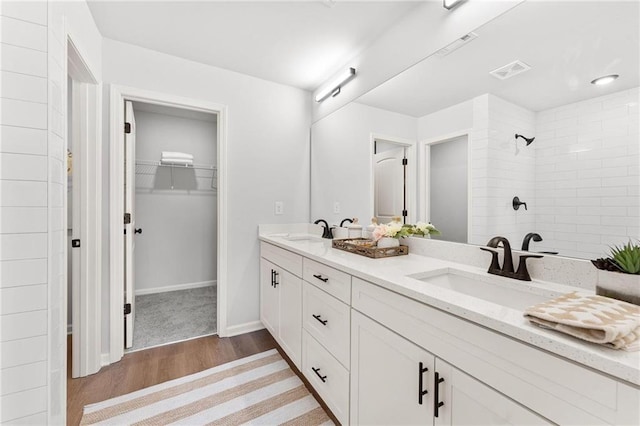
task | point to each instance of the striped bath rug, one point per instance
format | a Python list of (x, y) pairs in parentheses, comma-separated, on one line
[(260, 389)]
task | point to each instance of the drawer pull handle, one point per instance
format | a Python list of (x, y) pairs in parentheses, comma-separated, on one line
[(317, 371), (318, 317), (421, 392), (321, 278), (273, 277), (276, 281), (436, 397)]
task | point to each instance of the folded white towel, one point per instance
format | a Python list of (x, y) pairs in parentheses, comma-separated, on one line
[(171, 155), (176, 162), (609, 322)]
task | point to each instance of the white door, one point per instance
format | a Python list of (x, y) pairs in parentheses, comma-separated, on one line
[(129, 228), (466, 401), (388, 386), (389, 184), (269, 297)]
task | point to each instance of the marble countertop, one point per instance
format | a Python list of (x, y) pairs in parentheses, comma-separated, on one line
[(392, 274)]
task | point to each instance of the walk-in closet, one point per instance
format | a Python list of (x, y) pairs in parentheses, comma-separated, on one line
[(174, 260)]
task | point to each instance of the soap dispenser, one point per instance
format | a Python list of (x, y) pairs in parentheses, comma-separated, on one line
[(354, 229)]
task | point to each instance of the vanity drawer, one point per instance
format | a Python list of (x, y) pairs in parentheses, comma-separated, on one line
[(327, 376), (285, 259), (328, 320), (334, 282)]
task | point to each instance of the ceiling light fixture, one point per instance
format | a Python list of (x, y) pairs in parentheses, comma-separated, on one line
[(604, 80), (333, 89), (450, 4)]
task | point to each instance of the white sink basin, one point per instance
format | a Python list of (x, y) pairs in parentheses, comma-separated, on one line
[(501, 291), (298, 237)]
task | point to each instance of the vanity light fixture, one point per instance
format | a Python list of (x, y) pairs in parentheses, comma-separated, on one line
[(605, 79), (450, 4), (333, 89)]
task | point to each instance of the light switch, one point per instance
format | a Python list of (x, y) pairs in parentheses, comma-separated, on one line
[(279, 207), (336, 207)]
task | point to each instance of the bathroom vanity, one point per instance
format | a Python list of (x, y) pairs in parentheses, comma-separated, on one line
[(403, 341)]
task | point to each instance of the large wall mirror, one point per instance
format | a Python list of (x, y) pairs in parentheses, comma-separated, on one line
[(455, 117)]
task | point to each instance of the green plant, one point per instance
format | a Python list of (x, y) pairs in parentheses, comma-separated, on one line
[(627, 257)]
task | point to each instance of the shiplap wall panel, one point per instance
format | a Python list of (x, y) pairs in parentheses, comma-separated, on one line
[(21, 404), (23, 299), (24, 61), (22, 140), (23, 351), (16, 193), (23, 377), (21, 220), (23, 167), (23, 113), (24, 87), (23, 246), (30, 11), (23, 34), (31, 420), (23, 272), (23, 325)]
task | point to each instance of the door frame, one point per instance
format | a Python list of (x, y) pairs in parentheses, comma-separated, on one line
[(118, 94), (410, 145), (423, 178), (86, 297)]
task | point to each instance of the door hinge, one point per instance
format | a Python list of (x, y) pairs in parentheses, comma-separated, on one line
[(404, 162), (127, 127), (127, 218), (75, 243), (127, 308), (405, 213)]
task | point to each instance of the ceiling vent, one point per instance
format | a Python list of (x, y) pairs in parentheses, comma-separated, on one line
[(456, 44), (509, 70)]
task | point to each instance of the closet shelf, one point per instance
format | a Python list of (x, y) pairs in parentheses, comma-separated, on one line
[(150, 168), (194, 166)]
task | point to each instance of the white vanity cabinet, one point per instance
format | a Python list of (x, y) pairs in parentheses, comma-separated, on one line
[(394, 381), (281, 298)]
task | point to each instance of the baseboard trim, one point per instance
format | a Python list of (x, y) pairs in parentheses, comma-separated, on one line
[(247, 327), (105, 359), (175, 287)]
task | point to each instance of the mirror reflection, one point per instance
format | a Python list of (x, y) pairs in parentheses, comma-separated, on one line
[(503, 132)]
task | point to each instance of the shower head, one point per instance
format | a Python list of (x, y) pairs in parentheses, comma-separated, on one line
[(529, 140)]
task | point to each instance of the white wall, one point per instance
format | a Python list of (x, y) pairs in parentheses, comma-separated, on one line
[(421, 33), (268, 151), (446, 121), (342, 159), (178, 244), (588, 175), (32, 199)]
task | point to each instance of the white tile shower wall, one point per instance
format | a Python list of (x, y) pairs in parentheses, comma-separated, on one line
[(501, 168), (587, 175), (32, 343)]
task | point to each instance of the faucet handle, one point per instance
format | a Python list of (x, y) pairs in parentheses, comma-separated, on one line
[(522, 273), (495, 263)]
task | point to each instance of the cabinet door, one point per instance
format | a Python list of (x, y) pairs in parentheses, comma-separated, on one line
[(269, 299), (386, 379), (290, 331), (466, 401)]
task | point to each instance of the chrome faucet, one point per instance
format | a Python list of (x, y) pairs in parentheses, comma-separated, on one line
[(507, 265), (326, 231)]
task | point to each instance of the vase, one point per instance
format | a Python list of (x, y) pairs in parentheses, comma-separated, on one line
[(618, 285), (387, 242)]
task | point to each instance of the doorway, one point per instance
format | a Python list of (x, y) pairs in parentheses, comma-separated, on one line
[(393, 174), (161, 180), (447, 188), (172, 202), (83, 214)]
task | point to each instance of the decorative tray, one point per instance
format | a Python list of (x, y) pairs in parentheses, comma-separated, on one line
[(365, 247)]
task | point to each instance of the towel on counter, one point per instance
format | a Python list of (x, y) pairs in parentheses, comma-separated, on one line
[(609, 322)]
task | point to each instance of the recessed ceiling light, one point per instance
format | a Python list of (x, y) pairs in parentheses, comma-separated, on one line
[(605, 79)]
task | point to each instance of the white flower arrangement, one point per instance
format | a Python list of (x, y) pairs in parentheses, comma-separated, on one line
[(395, 229)]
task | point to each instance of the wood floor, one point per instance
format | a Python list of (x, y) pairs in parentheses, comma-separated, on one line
[(149, 367)]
